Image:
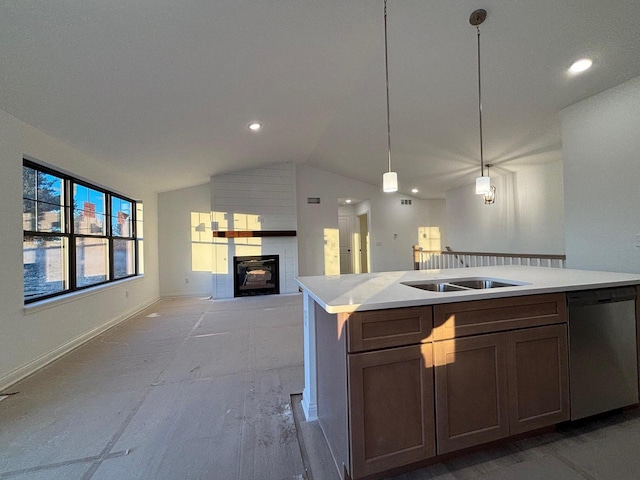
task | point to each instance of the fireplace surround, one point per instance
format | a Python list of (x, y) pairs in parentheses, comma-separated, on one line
[(256, 275)]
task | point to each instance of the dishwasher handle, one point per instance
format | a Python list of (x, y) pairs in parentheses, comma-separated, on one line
[(600, 296)]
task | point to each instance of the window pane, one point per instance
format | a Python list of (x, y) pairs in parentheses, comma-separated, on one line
[(92, 261), (29, 215), (42, 204), (41, 217), (140, 257), (123, 258), (140, 235), (139, 220), (120, 217), (45, 266), (89, 211), (28, 183), (49, 189)]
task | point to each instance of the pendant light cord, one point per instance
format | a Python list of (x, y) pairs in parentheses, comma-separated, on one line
[(386, 67), (480, 107)]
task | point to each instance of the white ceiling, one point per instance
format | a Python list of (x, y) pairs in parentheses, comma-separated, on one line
[(166, 88)]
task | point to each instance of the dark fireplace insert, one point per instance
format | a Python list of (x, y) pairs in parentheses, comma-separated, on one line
[(256, 275)]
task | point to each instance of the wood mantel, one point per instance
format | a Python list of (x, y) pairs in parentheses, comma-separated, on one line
[(252, 233)]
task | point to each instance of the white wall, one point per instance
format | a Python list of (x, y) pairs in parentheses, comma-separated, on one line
[(32, 337), (255, 199), (601, 152), (185, 260), (387, 218), (527, 217)]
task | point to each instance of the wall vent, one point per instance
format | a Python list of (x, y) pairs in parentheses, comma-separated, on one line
[(405, 201), (313, 199)]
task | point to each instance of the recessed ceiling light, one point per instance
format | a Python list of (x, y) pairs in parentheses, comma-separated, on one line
[(581, 65), (414, 190), (348, 200), (255, 126)]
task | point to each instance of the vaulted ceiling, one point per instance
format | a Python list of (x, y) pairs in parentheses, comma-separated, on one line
[(165, 89)]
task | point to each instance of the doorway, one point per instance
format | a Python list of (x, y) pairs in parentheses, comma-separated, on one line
[(345, 228), (363, 223), (353, 230)]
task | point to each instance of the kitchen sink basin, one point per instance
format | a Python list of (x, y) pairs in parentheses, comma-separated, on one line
[(435, 287), (461, 284), (479, 284)]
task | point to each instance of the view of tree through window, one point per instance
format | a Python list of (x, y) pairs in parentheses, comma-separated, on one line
[(75, 235)]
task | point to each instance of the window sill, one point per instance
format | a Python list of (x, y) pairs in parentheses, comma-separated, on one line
[(36, 307)]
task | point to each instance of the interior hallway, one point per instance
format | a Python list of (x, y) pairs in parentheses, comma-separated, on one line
[(187, 389)]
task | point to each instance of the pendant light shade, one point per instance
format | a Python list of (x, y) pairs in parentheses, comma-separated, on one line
[(389, 179), (483, 185), (390, 182)]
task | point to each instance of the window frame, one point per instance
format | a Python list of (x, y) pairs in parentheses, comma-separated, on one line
[(67, 228)]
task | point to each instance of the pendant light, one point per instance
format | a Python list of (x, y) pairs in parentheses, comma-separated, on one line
[(389, 179), (483, 184), (490, 198)]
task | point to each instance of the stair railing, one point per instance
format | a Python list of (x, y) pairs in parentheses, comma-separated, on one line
[(448, 258)]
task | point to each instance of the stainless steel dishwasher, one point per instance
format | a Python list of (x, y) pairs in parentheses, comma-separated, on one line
[(603, 362)]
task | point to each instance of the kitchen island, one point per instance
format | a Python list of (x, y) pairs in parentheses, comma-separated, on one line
[(404, 367)]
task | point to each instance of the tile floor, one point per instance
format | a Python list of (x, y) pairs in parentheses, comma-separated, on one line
[(187, 389)]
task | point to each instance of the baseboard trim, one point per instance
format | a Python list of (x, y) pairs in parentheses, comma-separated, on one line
[(32, 367), (309, 408)]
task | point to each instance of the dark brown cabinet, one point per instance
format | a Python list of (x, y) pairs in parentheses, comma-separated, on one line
[(391, 408), (471, 391), (398, 386), (494, 385), (538, 377)]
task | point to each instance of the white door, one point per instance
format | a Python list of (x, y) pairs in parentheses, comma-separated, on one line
[(345, 229), (364, 242)]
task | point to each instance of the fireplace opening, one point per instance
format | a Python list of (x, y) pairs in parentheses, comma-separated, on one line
[(256, 275)]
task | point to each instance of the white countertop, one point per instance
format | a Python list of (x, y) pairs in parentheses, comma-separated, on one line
[(375, 291)]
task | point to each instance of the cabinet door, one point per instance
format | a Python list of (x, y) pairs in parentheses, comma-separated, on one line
[(471, 391), (390, 408), (538, 377)]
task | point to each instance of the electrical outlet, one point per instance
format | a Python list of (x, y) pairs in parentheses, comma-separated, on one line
[(186, 280), (637, 240), (126, 294)]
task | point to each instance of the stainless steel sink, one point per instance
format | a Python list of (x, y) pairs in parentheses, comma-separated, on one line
[(461, 284), (435, 287), (482, 283)]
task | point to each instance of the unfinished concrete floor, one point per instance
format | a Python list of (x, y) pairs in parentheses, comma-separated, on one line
[(187, 389), (606, 447)]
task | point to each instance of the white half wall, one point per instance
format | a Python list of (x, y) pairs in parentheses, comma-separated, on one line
[(527, 217), (601, 152), (185, 242), (34, 336), (394, 227)]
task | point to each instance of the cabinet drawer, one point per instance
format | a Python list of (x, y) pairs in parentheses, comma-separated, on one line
[(486, 316), (388, 328)]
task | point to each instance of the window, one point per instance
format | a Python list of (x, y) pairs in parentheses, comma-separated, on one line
[(75, 235)]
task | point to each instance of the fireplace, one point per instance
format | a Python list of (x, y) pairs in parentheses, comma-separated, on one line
[(256, 275)]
